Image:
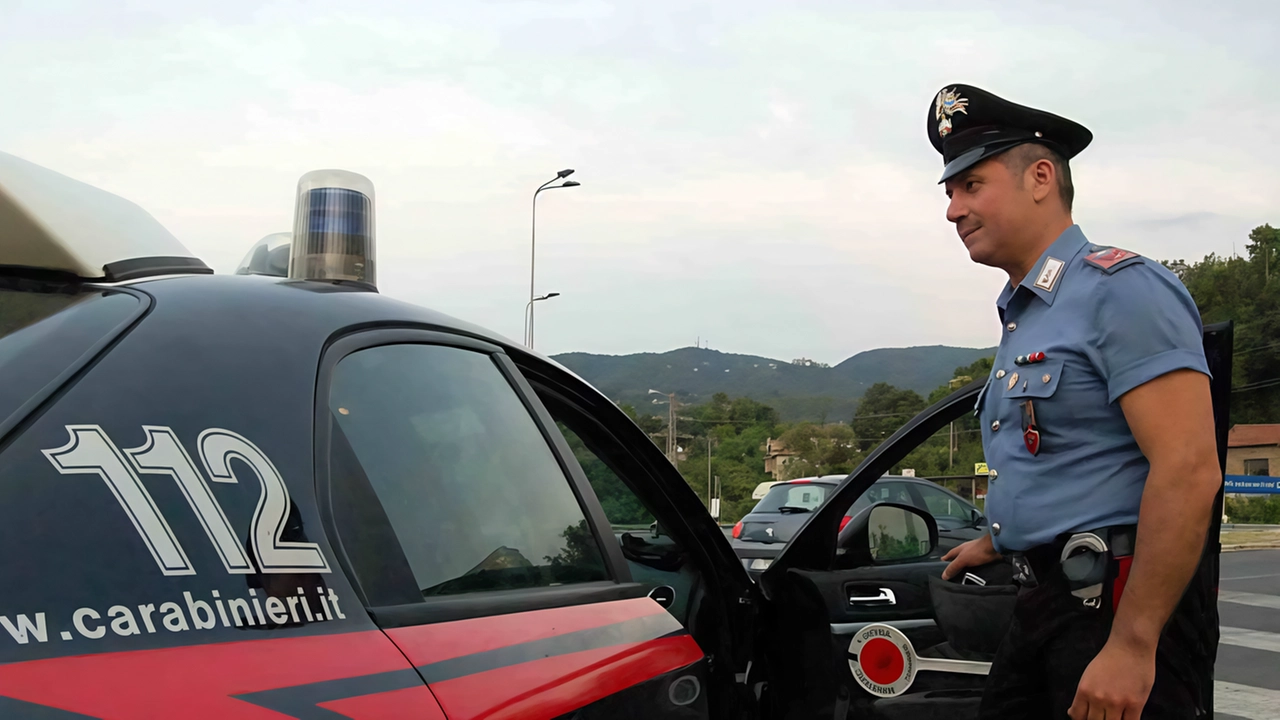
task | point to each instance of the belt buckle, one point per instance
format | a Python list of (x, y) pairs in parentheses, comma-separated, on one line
[(1022, 573)]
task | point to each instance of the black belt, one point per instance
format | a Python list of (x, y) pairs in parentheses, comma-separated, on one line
[(1041, 562)]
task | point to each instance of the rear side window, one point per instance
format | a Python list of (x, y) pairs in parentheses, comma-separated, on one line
[(947, 510), (801, 497), (43, 334), (435, 443), (882, 491)]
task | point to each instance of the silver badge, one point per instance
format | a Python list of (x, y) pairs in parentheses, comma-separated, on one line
[(949, 103), (1049, 274)]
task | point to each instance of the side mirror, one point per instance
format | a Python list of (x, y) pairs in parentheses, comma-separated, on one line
[(979, 520), (887, 533)]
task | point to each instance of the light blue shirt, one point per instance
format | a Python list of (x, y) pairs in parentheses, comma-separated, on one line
[(1103, 332)]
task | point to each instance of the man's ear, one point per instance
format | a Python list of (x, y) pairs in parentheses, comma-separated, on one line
[(1044, 179)]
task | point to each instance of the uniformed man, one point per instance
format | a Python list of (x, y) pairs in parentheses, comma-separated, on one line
[(1098, 428)]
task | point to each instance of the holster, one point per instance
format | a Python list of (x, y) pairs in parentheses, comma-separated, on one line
[(1090, 562)]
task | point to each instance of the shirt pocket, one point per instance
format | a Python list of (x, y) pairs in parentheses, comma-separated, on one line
[(1036, 381)]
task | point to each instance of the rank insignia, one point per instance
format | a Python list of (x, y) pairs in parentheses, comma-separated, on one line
[(1112, 259), (948, 103), (1048, 277)]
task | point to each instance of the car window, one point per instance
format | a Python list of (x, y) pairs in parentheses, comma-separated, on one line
[(460, 471), (890, 491), (620, 504), (654, 557), (808, 496), (44, 333), (948, 511)]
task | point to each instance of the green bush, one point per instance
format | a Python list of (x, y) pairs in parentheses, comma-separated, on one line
[(1257, 509)]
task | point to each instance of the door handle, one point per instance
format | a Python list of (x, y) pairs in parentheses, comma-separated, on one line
[(886, 597)]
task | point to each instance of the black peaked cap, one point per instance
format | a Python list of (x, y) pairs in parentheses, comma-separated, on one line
[(968, 125)]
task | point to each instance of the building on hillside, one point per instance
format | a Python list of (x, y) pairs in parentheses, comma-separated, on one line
[(1253, 450), (776, 456)]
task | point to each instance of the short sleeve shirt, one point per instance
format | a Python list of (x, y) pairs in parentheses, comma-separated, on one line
[(1104, 328)]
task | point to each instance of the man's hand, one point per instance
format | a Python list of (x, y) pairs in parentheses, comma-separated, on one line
[(1116, 684), (970, 554)]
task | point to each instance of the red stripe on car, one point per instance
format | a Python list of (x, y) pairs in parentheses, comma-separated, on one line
[(558, 685), (195, 682)]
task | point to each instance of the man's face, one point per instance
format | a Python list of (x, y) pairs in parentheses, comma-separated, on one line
[(989, 207)]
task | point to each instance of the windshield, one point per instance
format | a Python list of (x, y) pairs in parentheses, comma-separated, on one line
[(793, 498)]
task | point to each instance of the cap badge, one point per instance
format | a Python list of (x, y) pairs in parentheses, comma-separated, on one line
[(949, 103)]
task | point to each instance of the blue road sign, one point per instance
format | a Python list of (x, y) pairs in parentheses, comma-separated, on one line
[(1255, 484)]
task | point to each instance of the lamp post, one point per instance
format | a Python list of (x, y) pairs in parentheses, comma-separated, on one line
[(671, 423), (533, 238), (528, 326)]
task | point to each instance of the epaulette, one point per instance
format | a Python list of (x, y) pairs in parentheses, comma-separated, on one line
[(1111, 259)]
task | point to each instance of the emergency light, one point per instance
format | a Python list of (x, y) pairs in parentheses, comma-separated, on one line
[(333, 228), (268, 256)]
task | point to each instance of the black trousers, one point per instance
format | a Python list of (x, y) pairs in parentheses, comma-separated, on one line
[(1053, 637)]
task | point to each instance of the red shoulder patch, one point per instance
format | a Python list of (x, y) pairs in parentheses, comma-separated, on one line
[(1109, 257)]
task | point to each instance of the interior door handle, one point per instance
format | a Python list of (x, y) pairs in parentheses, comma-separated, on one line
[(886, 597)]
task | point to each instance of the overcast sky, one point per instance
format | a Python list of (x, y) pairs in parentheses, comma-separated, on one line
[(755, 173)]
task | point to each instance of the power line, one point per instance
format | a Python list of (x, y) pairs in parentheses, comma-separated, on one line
[(1254, 349), (1257, 385), (753, 422)]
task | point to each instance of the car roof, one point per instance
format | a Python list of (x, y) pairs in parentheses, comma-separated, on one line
[(309, 312), (837, 479)]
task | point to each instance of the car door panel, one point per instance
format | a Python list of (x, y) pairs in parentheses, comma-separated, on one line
[(507, 599), (848, 594), (811, 597)]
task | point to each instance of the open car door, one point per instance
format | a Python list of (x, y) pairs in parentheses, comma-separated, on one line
[(860, 623)]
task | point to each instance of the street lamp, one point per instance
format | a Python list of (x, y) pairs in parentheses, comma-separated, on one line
[(671, 423), (528, 328), (533, 239)]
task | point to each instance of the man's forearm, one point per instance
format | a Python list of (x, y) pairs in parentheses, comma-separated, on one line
[(1173, 519)]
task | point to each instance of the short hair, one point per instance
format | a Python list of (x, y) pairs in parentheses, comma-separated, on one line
[(1022, 156)]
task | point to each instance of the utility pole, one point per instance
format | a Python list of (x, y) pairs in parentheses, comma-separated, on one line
[(671, 404), (951, 446), (671, 424), (709, 496)]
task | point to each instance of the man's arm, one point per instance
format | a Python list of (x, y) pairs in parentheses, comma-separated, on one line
[(1171, 418)]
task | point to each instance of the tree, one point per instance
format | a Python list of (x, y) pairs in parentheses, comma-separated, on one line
[(882, 410), (1239, 289), (823, 450), (736, 429), (650, 424), (1264, 240)]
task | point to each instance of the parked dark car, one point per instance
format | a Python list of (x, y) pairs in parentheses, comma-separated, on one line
[(763, 532)]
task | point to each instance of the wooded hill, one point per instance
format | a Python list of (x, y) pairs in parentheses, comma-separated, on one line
[(796, 390)]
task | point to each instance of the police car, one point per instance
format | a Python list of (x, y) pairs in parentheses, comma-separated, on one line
[(281, 494)]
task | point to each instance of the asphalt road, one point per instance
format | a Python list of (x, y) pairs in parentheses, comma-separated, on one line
[(1248, 670)]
